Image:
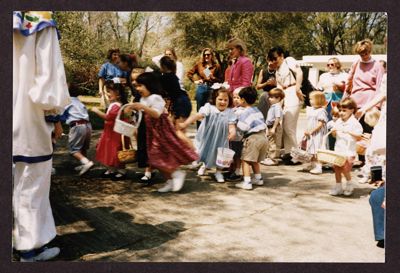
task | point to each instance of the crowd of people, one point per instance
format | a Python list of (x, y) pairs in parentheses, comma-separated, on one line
[(349, 108)]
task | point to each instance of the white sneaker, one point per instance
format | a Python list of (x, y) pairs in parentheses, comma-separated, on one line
[(308, 167), (86, 167), (168, 186), (178, 179), (219, 177), (336, 190), (258, 182), (269, 162), (202, 169), (317, 169), (45, 255), (244, 185), (78, 168), (348, 190)]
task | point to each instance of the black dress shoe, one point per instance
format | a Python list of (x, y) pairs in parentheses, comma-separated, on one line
[(381, 244), (107, 175), (118, 176), (233, 177)]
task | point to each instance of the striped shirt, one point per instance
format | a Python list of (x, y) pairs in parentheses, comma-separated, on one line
[(251, 120)]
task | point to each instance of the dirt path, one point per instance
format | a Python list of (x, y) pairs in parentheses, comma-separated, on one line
[(291, 218)]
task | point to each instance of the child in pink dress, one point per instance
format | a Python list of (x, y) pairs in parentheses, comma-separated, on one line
[(110, 141)]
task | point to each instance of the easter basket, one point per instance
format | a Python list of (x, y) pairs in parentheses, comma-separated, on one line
[(329, 156), (127, 128), (300, 153), (126, 155)]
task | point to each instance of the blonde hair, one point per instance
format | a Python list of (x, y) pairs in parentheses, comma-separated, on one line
[(319, 98), (372, 116), (338, 64), (364, 46), (238, 43)]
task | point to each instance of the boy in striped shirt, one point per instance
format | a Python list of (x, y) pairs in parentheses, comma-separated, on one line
[(255, 144)]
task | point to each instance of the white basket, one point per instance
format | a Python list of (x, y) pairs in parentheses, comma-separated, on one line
[(331, 157), (224, 157), (125, 128)]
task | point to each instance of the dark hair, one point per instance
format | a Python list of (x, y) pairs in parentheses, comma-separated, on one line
[(111, 51), (73, 89), (168, 63), (278, 50), (249, 94), (127, 59), (152, 82), (215, 93), (276, 93), (119, 88)]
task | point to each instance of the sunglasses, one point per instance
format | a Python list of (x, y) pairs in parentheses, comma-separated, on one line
[(328, 65), (206, 54)]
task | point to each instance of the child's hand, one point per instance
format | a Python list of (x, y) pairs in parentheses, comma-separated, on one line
[(271, 132), (307, 133), (95, 110)]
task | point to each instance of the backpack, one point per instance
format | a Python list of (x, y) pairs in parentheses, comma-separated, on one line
[(306, 85)]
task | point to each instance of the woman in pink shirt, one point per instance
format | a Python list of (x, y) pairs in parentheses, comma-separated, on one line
[(365, 75), (242, 69), (364, 79)]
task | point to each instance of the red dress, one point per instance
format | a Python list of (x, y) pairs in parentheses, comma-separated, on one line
[(110, 141), (164, 148)]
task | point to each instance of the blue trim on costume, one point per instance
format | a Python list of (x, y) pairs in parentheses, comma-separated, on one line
[(53, 118), (31, 159)]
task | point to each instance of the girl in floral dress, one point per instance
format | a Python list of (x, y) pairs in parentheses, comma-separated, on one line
[(317, 118), (165, 150)]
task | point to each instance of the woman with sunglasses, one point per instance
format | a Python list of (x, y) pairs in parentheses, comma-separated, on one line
[(207, 72), (332, 83)]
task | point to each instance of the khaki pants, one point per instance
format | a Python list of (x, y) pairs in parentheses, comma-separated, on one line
[(275, 143), (289, 124)]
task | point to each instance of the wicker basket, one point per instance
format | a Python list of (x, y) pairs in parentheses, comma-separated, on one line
[(125, 128), (126, 155), (331, 157)]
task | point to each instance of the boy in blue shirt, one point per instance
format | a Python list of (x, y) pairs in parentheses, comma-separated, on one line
[(255, 144)]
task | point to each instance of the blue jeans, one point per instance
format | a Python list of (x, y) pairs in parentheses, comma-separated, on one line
[(202, 95), (378, 213)]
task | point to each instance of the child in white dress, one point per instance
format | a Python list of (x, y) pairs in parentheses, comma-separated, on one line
[(317, 118), (347, 130)]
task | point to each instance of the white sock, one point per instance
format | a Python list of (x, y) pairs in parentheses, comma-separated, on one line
[(258, 176), (84, 160), (237, 171), (247, 179), (148, 174)]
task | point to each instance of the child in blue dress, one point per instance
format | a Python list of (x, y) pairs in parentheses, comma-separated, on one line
[(216, 129)]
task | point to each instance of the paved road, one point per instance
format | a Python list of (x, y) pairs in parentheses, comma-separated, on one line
[(289, 219)]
